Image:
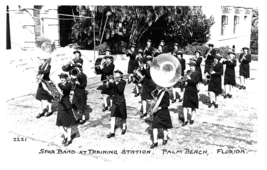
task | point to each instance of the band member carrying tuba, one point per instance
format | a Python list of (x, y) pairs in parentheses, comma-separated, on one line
[(190, 99), (148, 86), (43, 94), (119, 103), (107, 71), (161, 117), (244, 59), (65, 118), (229, 73), (215, 84), (79, 95)]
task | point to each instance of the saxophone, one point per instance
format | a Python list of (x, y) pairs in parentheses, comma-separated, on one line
[(182, 81)]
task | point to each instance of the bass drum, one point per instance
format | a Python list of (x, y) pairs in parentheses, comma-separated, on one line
[(98, 62)]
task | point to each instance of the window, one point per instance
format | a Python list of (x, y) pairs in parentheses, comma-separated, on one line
[(224, 22), (236, 22)]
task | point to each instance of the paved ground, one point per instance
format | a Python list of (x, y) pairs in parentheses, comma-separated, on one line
[(230, 127)]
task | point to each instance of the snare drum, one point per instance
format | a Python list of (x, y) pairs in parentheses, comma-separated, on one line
[(138, 75)]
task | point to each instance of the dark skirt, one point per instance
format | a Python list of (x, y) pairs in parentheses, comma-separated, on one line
[(146, 92), (108, 91), (79, 99), (229, 80), (119, 110), (207, 68), (244, 72), (133, 64), (65, 115), (190, 100), (200, 71), (215, 87), (42, 94), (162, 119)]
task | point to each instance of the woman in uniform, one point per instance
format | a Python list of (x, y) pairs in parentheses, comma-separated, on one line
[(65, 117), (43, 94), (161, 118), (190, 102), (244, 59), (133, 63), (148, 86), (215, 85), (229, 74)]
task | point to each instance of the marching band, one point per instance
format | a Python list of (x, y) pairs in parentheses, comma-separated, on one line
[(73, 94)]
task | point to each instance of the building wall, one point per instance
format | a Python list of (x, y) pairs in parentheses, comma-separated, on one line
[(241, 37), (24, 27)]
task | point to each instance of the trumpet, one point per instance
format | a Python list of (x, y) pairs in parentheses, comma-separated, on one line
[(181, 82), (208, 77)]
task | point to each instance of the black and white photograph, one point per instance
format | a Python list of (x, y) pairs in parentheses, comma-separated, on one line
[(132, 83)]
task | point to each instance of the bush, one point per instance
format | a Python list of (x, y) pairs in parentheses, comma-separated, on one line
[(190, 49), (102, 48)]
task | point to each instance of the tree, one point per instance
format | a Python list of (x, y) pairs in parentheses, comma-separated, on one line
[(254, 32)]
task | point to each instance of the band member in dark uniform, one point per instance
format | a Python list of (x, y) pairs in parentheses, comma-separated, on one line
[(148, 49), (190, 102), (209, 58), (161, 118), (43, 94), (119, 103), (164, 47), (148, 85), (215, 84), (244, 60), (158, 51), (140, 62), (175, 49), (198, 59), (133, 63), (79, 95), (65, 117), (229, 73), (107, 71), (175, 88), (78, 58)]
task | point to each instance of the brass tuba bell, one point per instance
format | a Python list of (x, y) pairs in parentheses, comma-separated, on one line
[(165, 70)]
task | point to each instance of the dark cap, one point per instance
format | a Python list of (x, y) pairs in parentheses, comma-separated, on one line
[(64, 75), (162, 41), (140, 51), (192, 63), (218, 56), (107, 49), (198, 51), (133, 45), (211, 45), (148, 58), (230, 52), (149, 40), (245, 48), (77, 52), (161, 45), (118, 71), (108, 56), (176, 44)]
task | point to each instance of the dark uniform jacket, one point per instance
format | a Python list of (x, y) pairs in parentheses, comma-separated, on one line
[(209, 60), (65, 101), (217, 77), (118, 92), (79, 60), (164, 49), (245, 63), (133, 63), (107, 70), (183, 65), (148, 82), (165, 102), (192, 83), (230, 67), (44, 71), (79, 98), (149, 51)]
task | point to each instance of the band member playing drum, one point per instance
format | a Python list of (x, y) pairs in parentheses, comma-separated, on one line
[(175, 88), (229, 74), (215, 84), (133, 63), (80, 96), (42, 94), (209, 58), (190, 102), (65, 117), (148, 49), (164, 47), (107, 70), (244, 59), (161, 118), (78, 58), (148, 86), (119, 103)]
